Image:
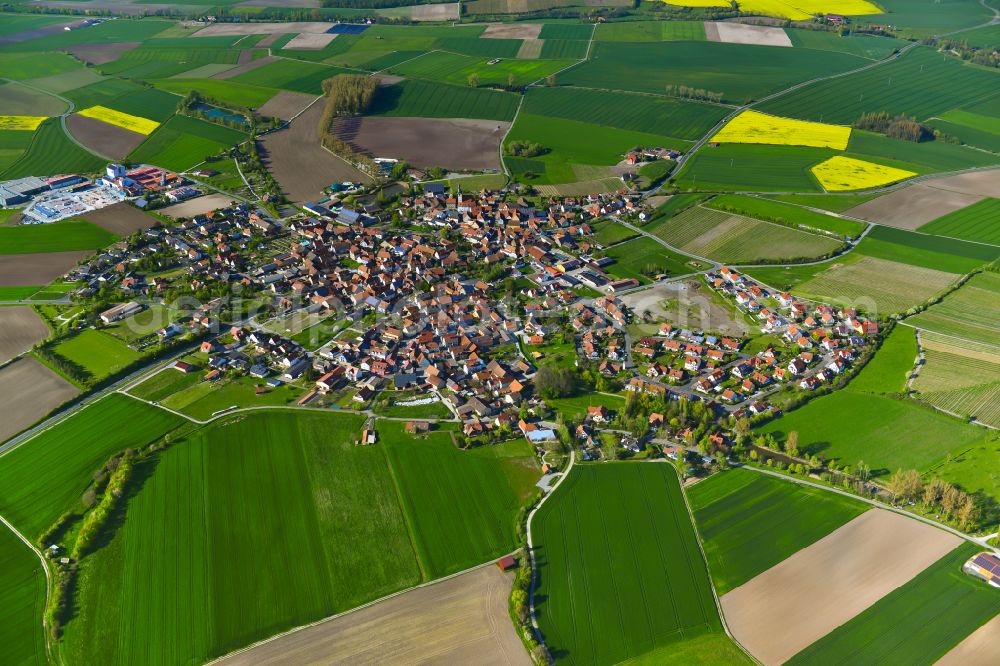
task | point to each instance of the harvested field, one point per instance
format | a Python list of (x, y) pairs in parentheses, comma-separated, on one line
[(777, 614), (285, 104), (460, 620), (983, 183), (20, 328), (300, 164), (100, 54), (512, 31), (689, 305), (26, 270), (310, 41), (198, 206), (981, 647), (455, 143), (442, 11), (29, 391), (121, 219), (913, 206), (104, 138), (740, 33), (241, 29), (246, 67)]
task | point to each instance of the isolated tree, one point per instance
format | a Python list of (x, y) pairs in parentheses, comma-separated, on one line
[(473, 80), (950, 500), (510, 80), (864, 472), (968, 512), (550, 80), (792, 443)]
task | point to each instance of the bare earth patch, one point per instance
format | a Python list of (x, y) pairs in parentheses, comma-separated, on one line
[(531, 49), (35, 33), (688, 305), (442, 11), (285, 104), (121, 219), (462, 620), (795, 603), (300, 164), (20, 328), (240, 29), (455, 143), (197, 206), (246, 67), (983, 183), (29, 391), (310, 41), (104, 138), (512, 31), (739, 33), (271, 38), (981, 647), (26, 270), (913, 206), (100, 54)]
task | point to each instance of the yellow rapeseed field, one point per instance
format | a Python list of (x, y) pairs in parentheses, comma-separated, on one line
[(30, 123), (756, 127), (839, 174), (797, 10), (123, 120)]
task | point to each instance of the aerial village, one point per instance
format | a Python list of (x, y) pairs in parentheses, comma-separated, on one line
[(457, 299)]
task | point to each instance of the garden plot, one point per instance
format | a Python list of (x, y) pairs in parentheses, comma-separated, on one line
[(454, 143), (793, 604), (740, 33), (462, 620)]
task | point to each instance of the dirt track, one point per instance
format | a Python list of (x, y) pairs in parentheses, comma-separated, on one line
[(29, 270), (29, 391), (20, 328), (122, 219), (455, 143), (105, 138), (980, 647), (797, 602), (462, 620), (300, 164)]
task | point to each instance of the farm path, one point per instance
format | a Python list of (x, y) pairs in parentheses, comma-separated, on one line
[(980, 541)]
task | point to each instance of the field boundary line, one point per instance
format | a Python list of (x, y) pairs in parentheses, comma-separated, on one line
[(503, 162), (708, 569), (531, 548), (330, 618), (48, 583)]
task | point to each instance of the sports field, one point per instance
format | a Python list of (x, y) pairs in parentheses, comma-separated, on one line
[(97, 352), (748, 522), (979, 222), (42, 479), (336, 525), (914, 624), (620, 573)]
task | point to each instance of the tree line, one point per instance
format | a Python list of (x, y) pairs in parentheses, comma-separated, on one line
[(895, 127), (347, 95)]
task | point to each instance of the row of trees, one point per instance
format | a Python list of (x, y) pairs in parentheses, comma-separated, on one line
[(347, 95), (988, 57), (895, 127), (524, 148), (688, 92), (954, 504)]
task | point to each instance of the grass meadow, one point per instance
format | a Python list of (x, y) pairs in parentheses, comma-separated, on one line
[(749, 522), (56, 237), (97, 352), (51, 152), (182, 142), (776, 211), (888, 370), (914, 624), (334, 525), (46, 476), (643, 258), (619, 570), (425, 99), (22, 601), (755, 168)]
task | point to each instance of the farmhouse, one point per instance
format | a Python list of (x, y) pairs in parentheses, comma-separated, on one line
[(985, 566)]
